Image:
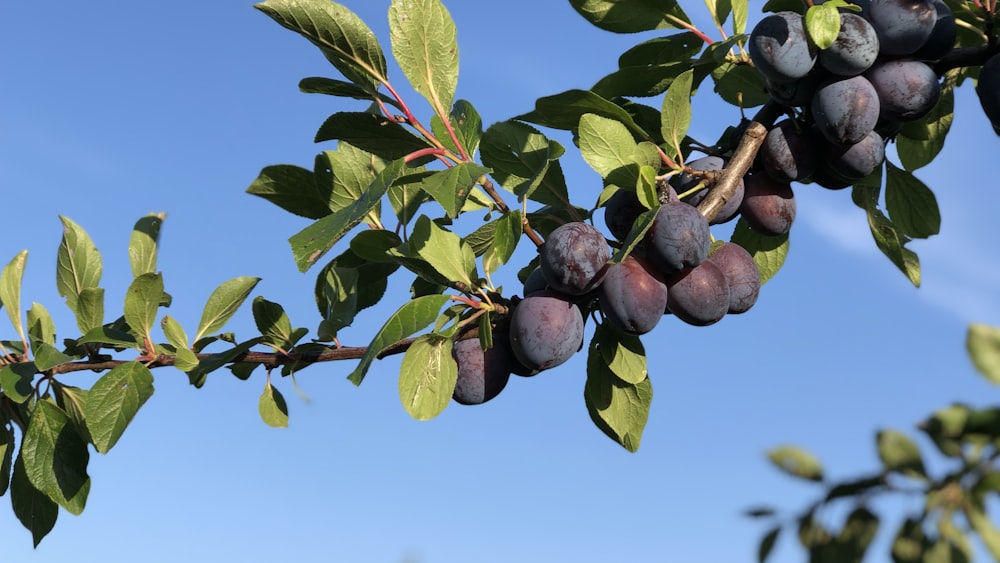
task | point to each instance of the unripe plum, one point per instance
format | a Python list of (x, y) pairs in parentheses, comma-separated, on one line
[(845, 109), (574, 258), (546, 329), (632, 296), (482, 374), (780, 48), (768, 205), (699, 295), (907, 89), (678, 239), (742, 274), (988, 89)]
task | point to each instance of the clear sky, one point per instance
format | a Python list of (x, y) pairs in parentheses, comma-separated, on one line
[(112, 110)]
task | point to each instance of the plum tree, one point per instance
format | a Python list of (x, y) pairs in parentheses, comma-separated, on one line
[(632, 296)]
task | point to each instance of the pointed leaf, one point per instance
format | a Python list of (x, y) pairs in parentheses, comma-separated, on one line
[(73, 401), (676, 112), (767, 544), (79, 266), (427, 376), (32, 507), (506, 234), (110, 337), (823, 24), (740, 9), (912, 206), (563, 111), (452, 186), (142, 248), (174, 332), (223, 303), (113, 402), (55, 457), (465, 123), (41, 329), (273, 408), (142, 301), (424, 43), (796, 462), (622, 353), (345, 174), (273, 323), (899, 453), (983, 344), (48, 357), (341, 35), (444, 251), (631, 16), (90, 309), (635, 235), (10, 289), (768, 252), (414, 315), (619, 409), (605, 144), (333, 87), (892, 243), (372, 133), (310, 244), (291, 188)]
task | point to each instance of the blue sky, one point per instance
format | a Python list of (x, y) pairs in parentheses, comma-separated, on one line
[(114, 110)]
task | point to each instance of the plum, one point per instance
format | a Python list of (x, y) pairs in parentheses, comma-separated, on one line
[(907, 89), (742, 274), (768, 205), (546, 329), (788, 152), (942, 37), (632, 296), (482, 374), (678, 239), (698, 296), (845, 109), (903, 26), (855, 48), (574, 258), (780, 47), (620, 212)]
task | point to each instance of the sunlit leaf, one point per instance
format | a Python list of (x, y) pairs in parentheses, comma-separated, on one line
[(424, 43), (427, 376), (55, 457), (272, 407), (983, 344), (142, 247), (223, 303)]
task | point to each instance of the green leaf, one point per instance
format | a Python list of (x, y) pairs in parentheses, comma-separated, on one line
[(16, 381), (291, 188), (333, 87), (41, 329), (55, 457), (113, 402), (643, 80), (635, 235), (414, 315), (345, 174), (317, 239), (223, 303), (48, 357), (519, 156), (341, 35), (184, 359), (273, 408), (823, 24), (740, 85), (79, 264), (622, 353), (564, 110), (619, 409), (769, 252), (465, 123), (605, 144), (892, 243), (7, 447), (424, 43), (208, 364), (919, 142), (371, 133), (444, 251), (740, 10), (912, 206), (662, 51), (506, 234), (32, 507), (796, 462), (986, 530), (983, 343), (631, 16), (899, 453), (10, 289), (767, 544), (676, 112), (142, 248), (110, 337), (273, 324), (142, 301), (427, 376), (90, 309), (73, 401), (910, 543), (451, 187)]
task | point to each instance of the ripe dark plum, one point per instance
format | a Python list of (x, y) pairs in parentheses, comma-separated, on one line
[(742, 274), (988, 89), (535, 282), (546, 329), (942, 37), (780, 48), (731, 208), (856, 161), (482, 374), (574, 258), (768, 205), (789, 152), (678, 239), (907, 89), (855, 48), (830, 179), (798, 93), (699, 295), (632, 296), (903, 26), (620, 212), (684, 182), (845, 109)]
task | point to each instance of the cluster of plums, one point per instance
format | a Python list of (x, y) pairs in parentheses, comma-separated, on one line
[(672, 271), (855, 94)]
